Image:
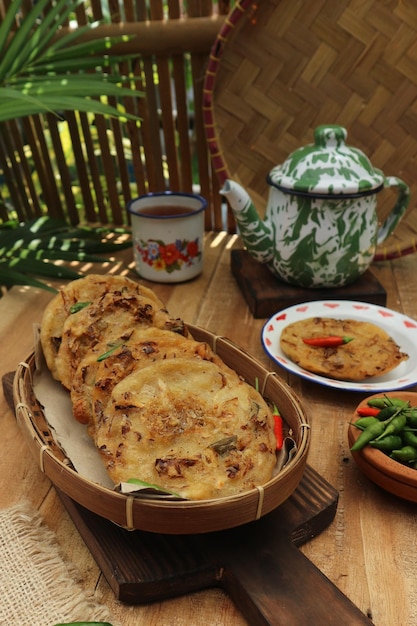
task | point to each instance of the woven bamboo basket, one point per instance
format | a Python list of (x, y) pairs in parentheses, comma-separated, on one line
[(161, 516), (280, 68)]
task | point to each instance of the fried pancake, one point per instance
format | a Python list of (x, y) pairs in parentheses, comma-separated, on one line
[(372, 352), (105, 323), (94, 380), (77, 292), (188, 426)]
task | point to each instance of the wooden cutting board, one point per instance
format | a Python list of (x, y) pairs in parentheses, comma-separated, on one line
[(258, 564)]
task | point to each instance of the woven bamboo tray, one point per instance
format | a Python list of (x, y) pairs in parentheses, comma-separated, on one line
[(279, 68), (171, 517)]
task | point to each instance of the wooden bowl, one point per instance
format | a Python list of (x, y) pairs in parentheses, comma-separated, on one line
[(391, 475), (171, 517)]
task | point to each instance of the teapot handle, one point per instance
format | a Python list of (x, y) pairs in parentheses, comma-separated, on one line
[(399, 209)]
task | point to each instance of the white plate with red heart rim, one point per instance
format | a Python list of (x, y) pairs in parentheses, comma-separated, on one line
[(401, 328)]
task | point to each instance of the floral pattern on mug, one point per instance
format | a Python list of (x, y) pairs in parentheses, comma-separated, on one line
[(169, 257)]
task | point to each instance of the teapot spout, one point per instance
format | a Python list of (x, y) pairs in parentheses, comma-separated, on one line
[(256, 233), (236, 195)]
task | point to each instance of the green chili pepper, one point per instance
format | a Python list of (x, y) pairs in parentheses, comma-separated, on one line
[(378, 403), (409, 437), (371, 432), (388, 411), (412, 417), (405, 454), (395, 425), (398, 402), (387, 444), (364, 422), (381, 403)]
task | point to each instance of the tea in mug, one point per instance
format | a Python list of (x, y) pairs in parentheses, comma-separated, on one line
[(165, 211)]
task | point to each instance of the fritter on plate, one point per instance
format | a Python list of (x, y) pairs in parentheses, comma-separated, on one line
[(369, 352)]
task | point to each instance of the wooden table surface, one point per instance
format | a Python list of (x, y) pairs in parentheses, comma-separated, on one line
[(369, 551)]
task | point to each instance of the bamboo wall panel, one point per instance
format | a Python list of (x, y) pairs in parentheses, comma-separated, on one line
[(87, 168)]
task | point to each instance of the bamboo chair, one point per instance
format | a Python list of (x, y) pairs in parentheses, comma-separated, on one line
[(86, 168)]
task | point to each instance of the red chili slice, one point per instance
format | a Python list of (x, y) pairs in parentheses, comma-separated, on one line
[(278, 429), (327, 342)]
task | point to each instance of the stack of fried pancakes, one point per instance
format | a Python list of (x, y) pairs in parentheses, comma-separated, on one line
[(161, 407)]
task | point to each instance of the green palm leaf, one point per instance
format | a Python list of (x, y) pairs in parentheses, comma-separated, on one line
[(39, 268), (29, 250), (46, 67), (10, 278), (41, 72), (45, 104)]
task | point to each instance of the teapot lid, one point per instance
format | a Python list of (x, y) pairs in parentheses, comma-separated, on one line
[(327, 168)]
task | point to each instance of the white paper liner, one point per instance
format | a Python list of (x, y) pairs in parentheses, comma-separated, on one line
[(70, 435)]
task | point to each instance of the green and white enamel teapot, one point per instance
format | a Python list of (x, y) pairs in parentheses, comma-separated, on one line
[(320, 227)]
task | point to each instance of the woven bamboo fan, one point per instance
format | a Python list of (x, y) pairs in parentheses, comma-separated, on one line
[(162, 516), (279, 68)]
